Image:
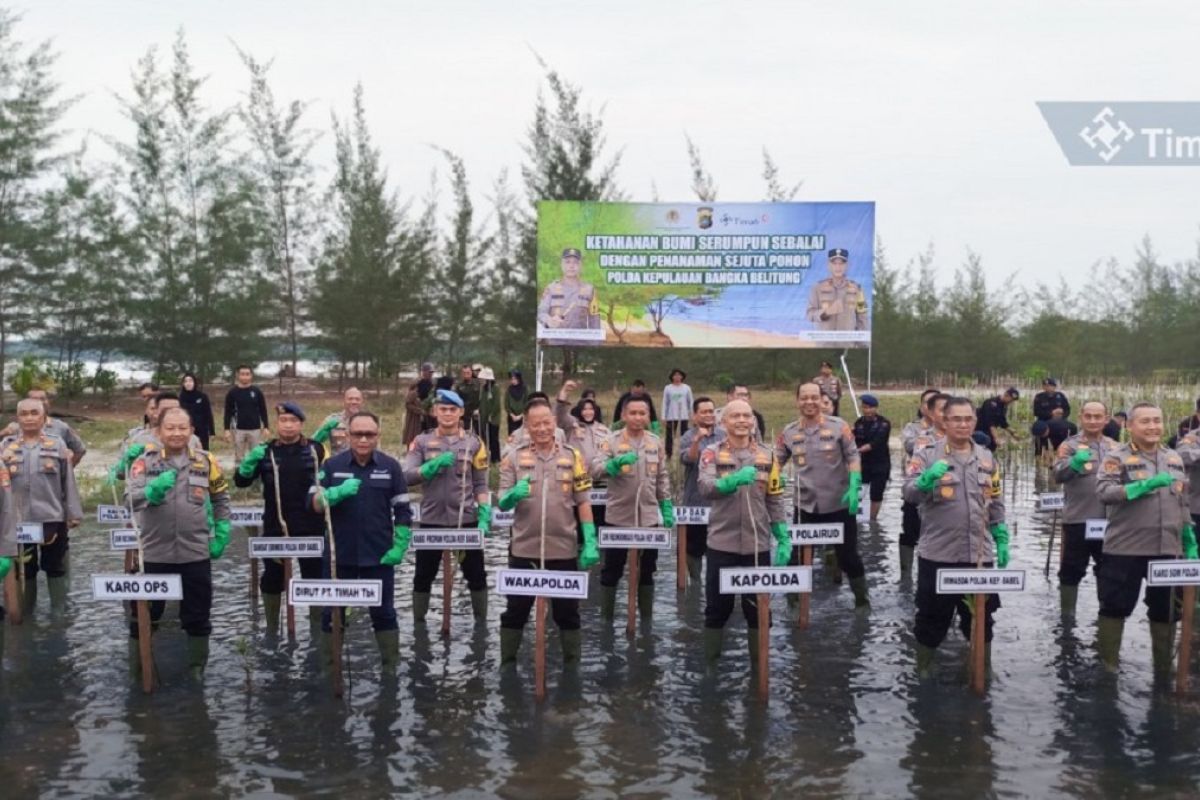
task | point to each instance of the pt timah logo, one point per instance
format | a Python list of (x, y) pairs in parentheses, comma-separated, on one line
[(1107, 134)]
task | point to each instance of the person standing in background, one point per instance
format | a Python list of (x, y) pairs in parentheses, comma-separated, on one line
[(246, 418), (677, 407), (489, 413), (199, 408), (514, 401), (830, 385)]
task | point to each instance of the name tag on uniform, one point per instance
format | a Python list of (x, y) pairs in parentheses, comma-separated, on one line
[(381, 475), (30, 533), (1093, 529)]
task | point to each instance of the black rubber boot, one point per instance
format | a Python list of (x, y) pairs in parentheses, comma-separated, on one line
[(608, 603), (389, 647), (1109, 631), (510, 645), (713, 640), (197, 655), (420, 607), (271, 605), (572, 647), (645, 600), (479, 605)]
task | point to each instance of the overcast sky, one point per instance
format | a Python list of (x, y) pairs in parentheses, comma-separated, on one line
[(926, 108)]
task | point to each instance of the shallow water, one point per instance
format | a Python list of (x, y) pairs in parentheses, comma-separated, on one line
[(845, 718)]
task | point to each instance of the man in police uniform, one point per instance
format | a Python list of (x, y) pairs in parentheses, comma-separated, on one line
[(837, 303), (287, 466), (1045, 403), (828, 474), (45, 494), (546, 482), (872, 431), (586, 436), (467, 388), (920, 430), (452, 466), (8, 544), (744, 482), (830, 385), (1145, 488), (367, 497), (136, 439), (1076, 466), (702, 433), (639, 486), (993, 415), (168, 487), (332, 432), (569, 303), (956, 484), (55, 426)]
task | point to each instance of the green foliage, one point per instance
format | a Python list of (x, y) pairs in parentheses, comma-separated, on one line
[(69, 378), (104, 383), (32, 374)]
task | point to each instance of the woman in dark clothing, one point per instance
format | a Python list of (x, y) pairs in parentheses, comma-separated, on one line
[(514, 401), (196, 403), (589, 395)]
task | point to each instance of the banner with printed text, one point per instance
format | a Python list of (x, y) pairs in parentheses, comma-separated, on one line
[(774, 275)]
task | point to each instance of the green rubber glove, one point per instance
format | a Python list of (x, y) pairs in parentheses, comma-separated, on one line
[(668, 513), (5, 566), (1081, 457), (589, 556), (119, 469), (156, 489), (401, 536), (220, 539), (1190, 550), (928, 479), (1000, 537), (323, 432), (783, 544), (209, 519), (656, 428), (347, 488), (614, 464), (436, 466), (253, 458), (483, 517), (742, 477), (1141, 488), (850, 498), (519, 491)]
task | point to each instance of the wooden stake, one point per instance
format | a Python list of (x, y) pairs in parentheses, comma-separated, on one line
[(681, 571), (978, 645), (336, 646), (1050, 548), (12, 594), (447, 588), (144, 647), (539, 650), (287, 598), (253, 579), (764, 640), (806, 559), (634, 564), (1185, 640)]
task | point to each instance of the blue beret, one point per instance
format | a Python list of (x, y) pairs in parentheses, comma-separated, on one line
[(290, 407), (448, 397), (870, 400)]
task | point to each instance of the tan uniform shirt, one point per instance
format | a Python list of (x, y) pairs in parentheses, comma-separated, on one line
[(741, 522), (569, 305), (838, 306), (913, 432), (520, 438), (1079, 488), (558, 482), (454, 487), (8, 518), (635, 492), (1189, 450), (583, 437), (823, 455), (830, 386), (1152, 524), (176, 530), (957, 516), (43, 482)]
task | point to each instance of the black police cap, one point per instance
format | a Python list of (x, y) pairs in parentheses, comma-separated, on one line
[(839, 252), (571, 252)]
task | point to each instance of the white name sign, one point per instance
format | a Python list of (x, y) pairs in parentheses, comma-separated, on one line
[(447, 539), (30, 533), (766, 580), (335, 593), (503, 519), (542, 583), (1094, 529), (1174, 572), (641, 538), (246, 516), (1051, 501), (122, 539), (137, 587), (810, 533), (111, 515), (286, 546), (970, 581), (598, 497), (691, 515)]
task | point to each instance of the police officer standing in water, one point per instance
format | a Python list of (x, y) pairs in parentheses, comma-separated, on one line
[(569, 303), (838, 303)]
